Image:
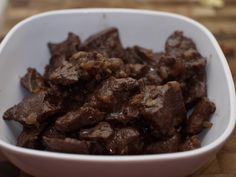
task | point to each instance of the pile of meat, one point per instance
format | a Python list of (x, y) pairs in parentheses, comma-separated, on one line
[(98, 97)]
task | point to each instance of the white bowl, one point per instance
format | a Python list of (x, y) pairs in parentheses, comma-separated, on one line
[(25, 45)]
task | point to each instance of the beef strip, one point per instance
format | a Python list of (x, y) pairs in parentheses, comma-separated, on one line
[(67, 145), (101, 132), (169, 68), (201, 114), (164, 107), (33, 81), (106, 42), (77, 119), (136, 70), (112, 92), (34, 108), (164, 146), (66, 48), (56, 61), (190, 143), (177, 43), (30, 137), (125, 141)]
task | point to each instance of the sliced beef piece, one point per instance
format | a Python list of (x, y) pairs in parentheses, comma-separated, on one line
[(97, 148), (34, 108), (136, 70), (169, 68), (106, 42), (125, 141), (194, 64), (200, 115), (129, 112), (101, 132), (117, 118), (193, 90), (33, 81), (67, 145), (74, 120), (177, 43), (113, 92), (131, 57), (66, 48), (65, 74), (164, 146), (52, 132), (151, 78), (164, 107), (56, 61), (31, 137), (190, 143), (138, 55)]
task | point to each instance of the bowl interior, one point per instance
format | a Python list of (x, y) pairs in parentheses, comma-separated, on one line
[(26, 46)]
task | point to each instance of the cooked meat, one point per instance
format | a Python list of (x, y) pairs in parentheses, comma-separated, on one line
[(190, 143), (96, 97), (101, 132), (201, 114), (66, 48), (74, 120), (125, 141), (106, 42), (34, 108), (33, 81)]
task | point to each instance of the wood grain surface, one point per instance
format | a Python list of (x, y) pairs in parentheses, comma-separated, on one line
[(219, 20)]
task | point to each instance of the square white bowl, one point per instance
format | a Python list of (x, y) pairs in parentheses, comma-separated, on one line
[(25, 46)]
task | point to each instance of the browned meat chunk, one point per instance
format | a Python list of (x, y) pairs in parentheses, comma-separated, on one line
[(164, 146), (33, 81), (190, 143), (169, 68), (113, 92), (177, 43), (151, 78), (34, 109), (77, 119), (67, 145), (65, 74), (199, 116), (164, 107), (106, 42), (101, 132), (136, 70), (139, 55), (194, 89), (30, 137), (125, 141), (52, 132), (66, 48), (56, 61)]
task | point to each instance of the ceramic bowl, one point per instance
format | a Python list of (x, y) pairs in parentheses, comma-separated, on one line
[(25, 45)]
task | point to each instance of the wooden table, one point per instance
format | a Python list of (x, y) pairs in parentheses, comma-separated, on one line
[(220, 20)]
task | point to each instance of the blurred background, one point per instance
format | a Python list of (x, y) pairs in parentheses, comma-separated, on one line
[(219, 16)]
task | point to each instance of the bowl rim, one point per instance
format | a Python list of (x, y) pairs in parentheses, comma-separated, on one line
[(215, 145)]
